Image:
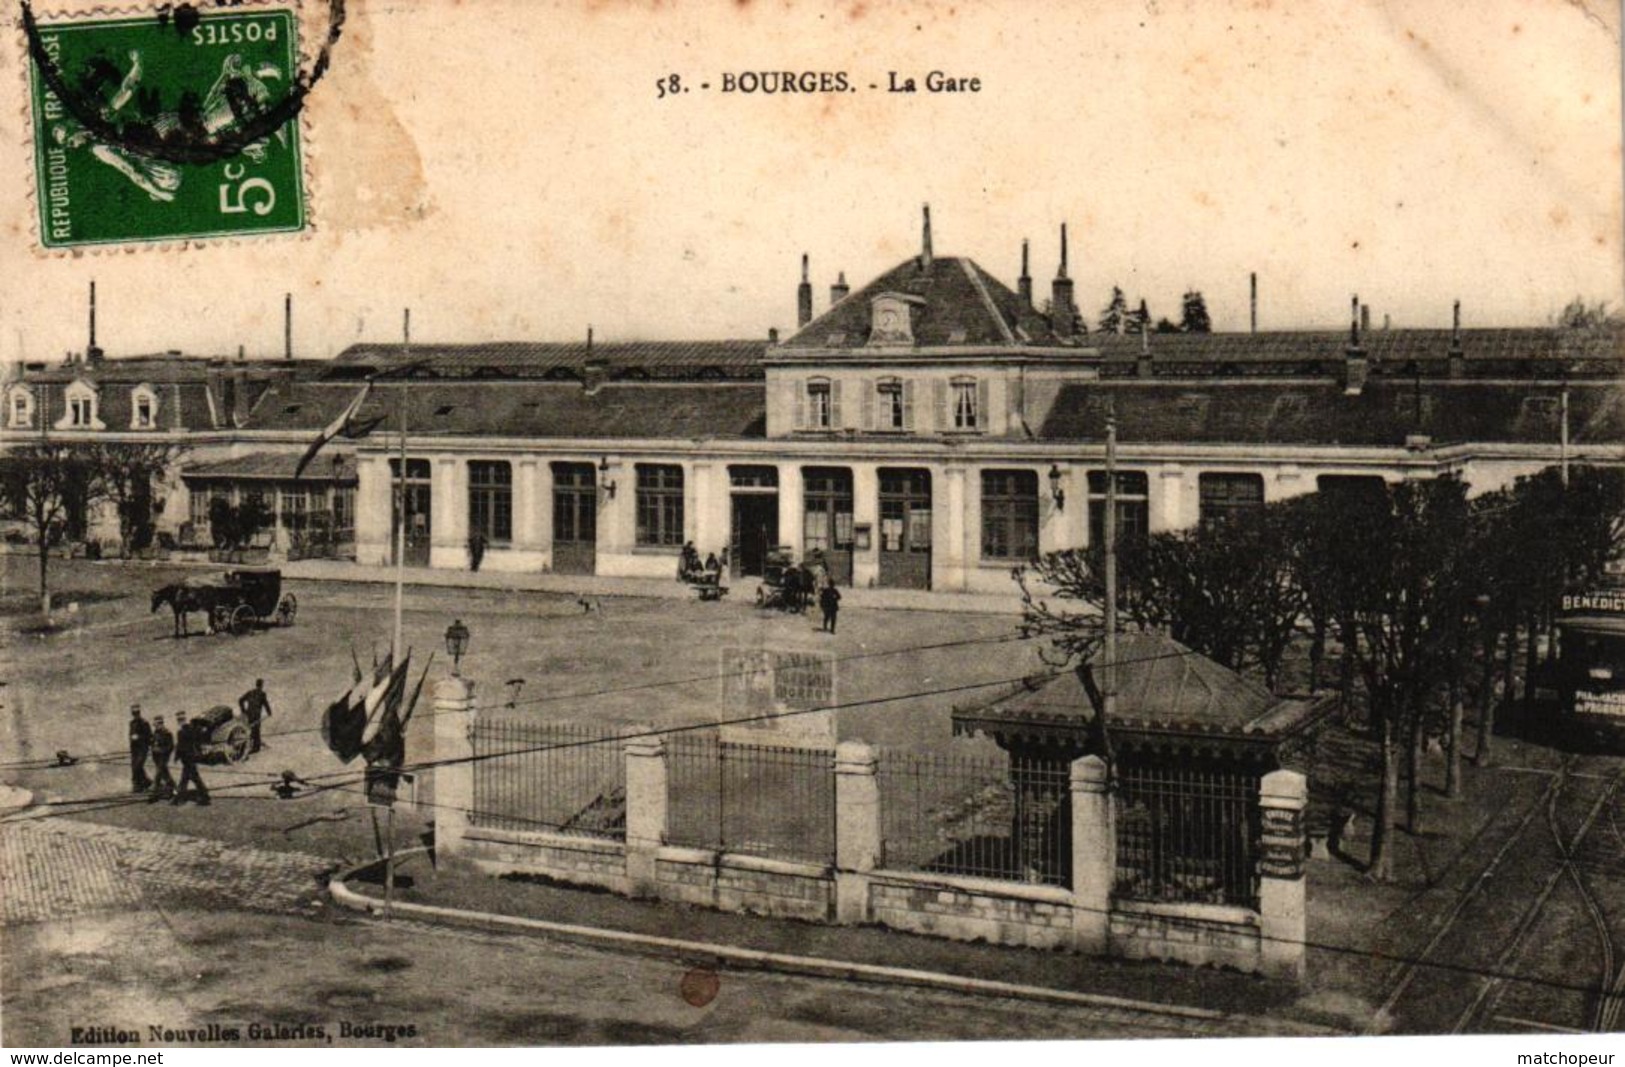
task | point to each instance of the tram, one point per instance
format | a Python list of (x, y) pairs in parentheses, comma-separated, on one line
[(1590, 674)]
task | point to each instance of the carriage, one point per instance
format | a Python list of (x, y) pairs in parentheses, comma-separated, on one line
[(235, 601), (781, 585), (226, 736)]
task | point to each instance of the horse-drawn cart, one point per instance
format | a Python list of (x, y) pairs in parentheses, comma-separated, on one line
[(235, 601)]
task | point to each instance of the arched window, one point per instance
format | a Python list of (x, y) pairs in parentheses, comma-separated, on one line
[(19, 407), (143, 407), (79, 402)]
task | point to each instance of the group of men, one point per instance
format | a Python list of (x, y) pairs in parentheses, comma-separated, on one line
[(155, 740)]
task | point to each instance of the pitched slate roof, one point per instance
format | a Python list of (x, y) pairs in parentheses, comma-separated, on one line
[(1196, 411), (526, 359), (528, 409), (963, 305), (276, 466), (1488, 352)]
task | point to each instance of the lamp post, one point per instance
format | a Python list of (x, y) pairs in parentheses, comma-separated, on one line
[(1056, 493), (456, 645), (604, 482)]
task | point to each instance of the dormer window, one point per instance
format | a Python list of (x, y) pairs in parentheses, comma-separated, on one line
[(80, 408), (143, 408), (20, 408), (891, 319)]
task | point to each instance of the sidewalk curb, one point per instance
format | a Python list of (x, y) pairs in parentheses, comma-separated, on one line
[(814, 966)]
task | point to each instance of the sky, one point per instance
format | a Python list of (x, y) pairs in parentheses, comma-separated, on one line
[(507, 170)]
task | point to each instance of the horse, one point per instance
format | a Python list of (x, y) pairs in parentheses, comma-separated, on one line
[(181, 599)]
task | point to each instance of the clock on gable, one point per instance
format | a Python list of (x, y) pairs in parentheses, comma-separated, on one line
[(891, 320)]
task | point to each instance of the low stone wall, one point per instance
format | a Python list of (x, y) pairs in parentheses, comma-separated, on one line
[(966, 909), (567, 858), (1198, 934), (750, 884)]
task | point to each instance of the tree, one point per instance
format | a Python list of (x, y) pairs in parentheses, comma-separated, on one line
[(1578, 315), (1193, 316), (1139, 320), (1166, 326), (1114, 317), (130, 474), (49, 485)]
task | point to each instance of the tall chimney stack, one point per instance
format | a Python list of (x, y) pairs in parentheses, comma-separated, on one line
[(1455, 325), (1063, 314), (925, 239), (1024, 284), (1365, 318), (1457, 358), (1354, 361), (804, 296), (287, 325), (1252, 302), (1354, 322), (838, 291), (93, 353)]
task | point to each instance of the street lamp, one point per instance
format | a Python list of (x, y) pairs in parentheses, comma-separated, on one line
[(456, 644), (603, 478), (1056, 493)]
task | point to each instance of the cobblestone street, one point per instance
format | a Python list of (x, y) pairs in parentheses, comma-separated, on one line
[(58, 868)]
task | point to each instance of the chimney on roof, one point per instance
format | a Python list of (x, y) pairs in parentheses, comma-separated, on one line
[(1063, 313), (589, 338), (773, 335), (1354, 361), (93, 354), (239, 396), (1024, 284), (1458, 358), (287, 325), (804, 296), (1142, 362), (1365, 318), (241, 355), (838, 291), (1252, 302), (925, 239)]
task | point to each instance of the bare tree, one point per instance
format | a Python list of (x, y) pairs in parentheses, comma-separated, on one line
[(49, 484), (130, 473)]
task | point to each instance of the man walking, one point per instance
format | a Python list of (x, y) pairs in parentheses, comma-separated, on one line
[(187, 746), (829, 599), (255, 706), (163, 746), (140, 743)]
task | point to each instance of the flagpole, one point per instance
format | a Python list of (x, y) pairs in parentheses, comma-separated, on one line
[(400, 511)]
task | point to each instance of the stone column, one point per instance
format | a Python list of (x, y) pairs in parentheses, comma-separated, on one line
[(645, 807), (866, 512), (1281, 891), (792, 509), (374, 508), (448, 514), (952, 558), (1094, 855), (527, 529), (857, 829), (454, 773)]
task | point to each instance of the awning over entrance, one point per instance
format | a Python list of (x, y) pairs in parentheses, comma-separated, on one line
[(275, 467)]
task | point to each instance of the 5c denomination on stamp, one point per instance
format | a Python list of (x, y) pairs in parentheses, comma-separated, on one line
[(173, 126)]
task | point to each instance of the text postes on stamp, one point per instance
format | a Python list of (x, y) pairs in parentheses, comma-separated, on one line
[(161, 129)]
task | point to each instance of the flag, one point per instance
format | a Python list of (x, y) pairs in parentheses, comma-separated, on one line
[(346, 424), (344, 723), (389, 687), (385, 751)]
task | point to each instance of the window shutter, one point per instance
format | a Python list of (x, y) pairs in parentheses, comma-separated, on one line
[(983, 412), (867, 407), (908, 405), (836, 422), (798, 389), (941, 389)]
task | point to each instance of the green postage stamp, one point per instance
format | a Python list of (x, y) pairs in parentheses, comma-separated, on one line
[(174, 126)]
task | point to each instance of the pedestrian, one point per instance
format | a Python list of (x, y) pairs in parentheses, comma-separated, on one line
[(188, 747), (140, 743), (476, 550), (256, 707), (829, 599), (163, 746)]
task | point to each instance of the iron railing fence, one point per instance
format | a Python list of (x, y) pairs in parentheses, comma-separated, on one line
[(557, 777), (998, 817), (1189, 836), (765, 800)]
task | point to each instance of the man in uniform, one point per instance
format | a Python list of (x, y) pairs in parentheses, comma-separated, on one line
[(187, 744), (163, 746), (255, 706), (140, 743)]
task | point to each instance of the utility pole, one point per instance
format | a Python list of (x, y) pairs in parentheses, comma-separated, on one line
[(1563, 440), (1108, 674), (400, 488)]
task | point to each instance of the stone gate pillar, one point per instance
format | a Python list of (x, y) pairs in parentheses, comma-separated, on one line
[(1094, 855), (453, 773), (646, 800), (857, 829), (1282, 796)]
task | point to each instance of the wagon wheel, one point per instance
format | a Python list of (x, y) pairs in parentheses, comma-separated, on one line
[(236, 742), (286, 609), (220, 618), (243, 619)]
